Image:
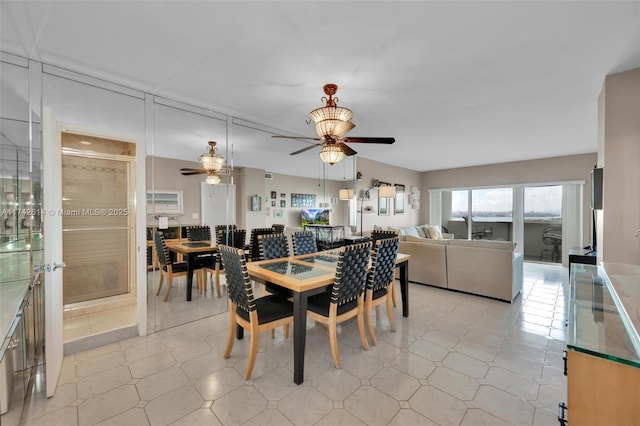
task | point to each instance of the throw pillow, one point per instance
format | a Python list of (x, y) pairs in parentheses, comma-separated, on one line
[(424, 229), (435, 232), (421, 232)]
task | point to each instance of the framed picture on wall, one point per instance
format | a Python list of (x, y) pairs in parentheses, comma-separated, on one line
[(399, 200), (283, 195), (383, 206), (277, 213), (256, 203), (273, 204), (283, 203), (273, 194)]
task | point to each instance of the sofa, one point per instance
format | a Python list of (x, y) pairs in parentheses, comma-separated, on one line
[(483, 267)]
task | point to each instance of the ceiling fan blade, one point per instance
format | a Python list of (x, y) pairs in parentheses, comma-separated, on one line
[(305, 149), (342, 128), (190, 172), (368, 140), (295, 137), (346, 149)]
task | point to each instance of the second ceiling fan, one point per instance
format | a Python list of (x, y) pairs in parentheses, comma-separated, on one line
[(332, 124)]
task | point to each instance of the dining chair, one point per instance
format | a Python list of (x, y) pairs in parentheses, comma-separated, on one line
[(380, 282), (346, 298), (381, 234), (252, 314), (224, 228), (254, 247), (207, 261), (169, 268), (278, 228), (273, 246), (228, 236), (198, 233), (304, 242)]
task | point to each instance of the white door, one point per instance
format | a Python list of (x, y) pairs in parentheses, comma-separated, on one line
[(52, 215)]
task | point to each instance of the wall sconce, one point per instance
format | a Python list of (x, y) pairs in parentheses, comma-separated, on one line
[(358, 176)]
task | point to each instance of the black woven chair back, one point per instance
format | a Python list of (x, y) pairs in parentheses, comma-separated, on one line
[(161, 248), (273, 246), (199, 233), (304, 242), (232, 237), (383, 263), (255, 246), (382, 234), (351, 273), (224, 228), (239, 285), (277, 228)]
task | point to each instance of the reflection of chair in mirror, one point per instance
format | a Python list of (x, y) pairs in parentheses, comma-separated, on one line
[(224, 228), (304, 242), (346, 298), (255, 315), (380, 282), (552, 236), (228, 236), (254, 253), (205, 261), (169, 268)]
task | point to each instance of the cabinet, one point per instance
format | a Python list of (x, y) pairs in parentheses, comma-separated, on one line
[(16, 363), (603, 347)]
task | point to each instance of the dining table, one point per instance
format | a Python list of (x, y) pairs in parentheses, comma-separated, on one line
[(191, 251), (307, 275)]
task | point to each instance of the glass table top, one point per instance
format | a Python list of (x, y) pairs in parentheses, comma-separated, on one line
[(321, 259), (299, 270), (598, 323)]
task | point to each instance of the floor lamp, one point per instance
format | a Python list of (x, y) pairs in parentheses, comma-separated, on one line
[(384, 191)]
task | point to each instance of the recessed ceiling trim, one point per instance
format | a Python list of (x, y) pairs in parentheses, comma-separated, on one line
[(91, 81), (14, 60), (189, 108)]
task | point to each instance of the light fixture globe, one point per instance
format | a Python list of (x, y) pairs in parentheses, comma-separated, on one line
[(211, 161), (212, 179), (331, 154), (330, 120)]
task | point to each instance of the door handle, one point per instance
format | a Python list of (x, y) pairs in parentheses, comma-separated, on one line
[(60, 265)]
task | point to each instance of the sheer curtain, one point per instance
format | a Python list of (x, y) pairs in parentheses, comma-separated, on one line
[(571, 218)]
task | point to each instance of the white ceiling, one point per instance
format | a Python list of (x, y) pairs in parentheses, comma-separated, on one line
[(456, 83)]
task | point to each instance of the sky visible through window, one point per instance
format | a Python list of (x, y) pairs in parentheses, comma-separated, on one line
[(540, 202)]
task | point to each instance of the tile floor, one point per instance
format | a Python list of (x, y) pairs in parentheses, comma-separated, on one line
[(457, 360)]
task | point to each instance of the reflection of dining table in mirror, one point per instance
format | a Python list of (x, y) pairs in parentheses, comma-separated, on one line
[(305, 276), (190, 252)]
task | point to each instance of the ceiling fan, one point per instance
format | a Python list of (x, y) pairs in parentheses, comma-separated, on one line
[(332, 123), (213, 165)]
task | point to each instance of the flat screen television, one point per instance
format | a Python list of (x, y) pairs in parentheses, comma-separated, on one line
[(315, 217), (596, 188)]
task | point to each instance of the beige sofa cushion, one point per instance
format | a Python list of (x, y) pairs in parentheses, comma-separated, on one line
[(492, 244), (479, 269), (428, 262)]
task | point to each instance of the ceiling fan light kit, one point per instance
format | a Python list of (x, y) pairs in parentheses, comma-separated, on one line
[(332, 123), (211, 161), (213, 165), (331, 154)]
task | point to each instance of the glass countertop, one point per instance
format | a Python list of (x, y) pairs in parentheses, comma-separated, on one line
[(598, 321)]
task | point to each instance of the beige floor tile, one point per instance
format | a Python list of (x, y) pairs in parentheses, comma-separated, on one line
[(457, 360)]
